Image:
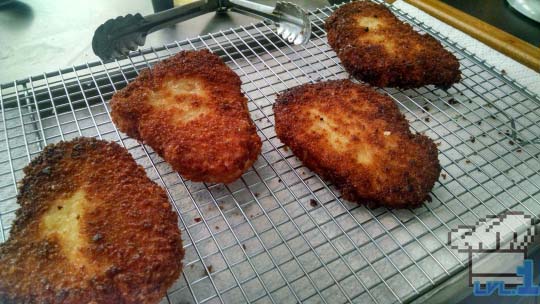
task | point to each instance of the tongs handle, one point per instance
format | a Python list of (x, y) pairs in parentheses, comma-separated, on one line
[(178, 14), (253, 9)]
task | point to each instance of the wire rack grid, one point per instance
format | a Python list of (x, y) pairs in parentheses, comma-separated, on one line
[(280, 234)]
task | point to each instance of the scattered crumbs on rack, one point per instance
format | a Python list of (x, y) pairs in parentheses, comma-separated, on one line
[(470, 101), (518, 150), (427, 119), (429, 198), (426, 108), (197, 219), (484, 135), (499, 133), (467, 161), (472, 139), (279, 180), (443, 175), (209, 269), (452, 101), (313, 203), (221, 207), (256, 194), (479, 122), (251, 216), (285, 148), (503, 72), (244, 246), (438, 144), (217, 227), (511, 142)]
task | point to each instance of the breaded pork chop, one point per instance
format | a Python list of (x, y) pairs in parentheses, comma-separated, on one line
[(190, 110), (92, 228), (358, 139), (376, 47)]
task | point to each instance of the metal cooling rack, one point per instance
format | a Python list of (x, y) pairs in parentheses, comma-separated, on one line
[(280, 234)]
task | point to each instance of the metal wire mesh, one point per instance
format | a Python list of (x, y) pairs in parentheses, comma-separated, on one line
[(280, 234)]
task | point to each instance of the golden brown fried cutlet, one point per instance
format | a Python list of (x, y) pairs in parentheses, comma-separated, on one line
[(358, 139), (376, 47), (190, 110), (92, 228)]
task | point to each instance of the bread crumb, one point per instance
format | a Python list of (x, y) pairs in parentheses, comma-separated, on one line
[(209, 269), (452, 101)]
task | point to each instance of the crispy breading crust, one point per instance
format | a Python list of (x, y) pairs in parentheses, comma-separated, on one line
[(376, 47), (219, 145), (132, 233), (358, 139)]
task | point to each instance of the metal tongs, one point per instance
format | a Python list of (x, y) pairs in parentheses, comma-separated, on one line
[(117, 37)]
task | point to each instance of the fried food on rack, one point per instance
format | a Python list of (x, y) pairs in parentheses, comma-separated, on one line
[(376, 47), (92, 228), (357, 138), (190, 110)]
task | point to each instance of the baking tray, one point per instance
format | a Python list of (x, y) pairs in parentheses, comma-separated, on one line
[(280, 234)]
